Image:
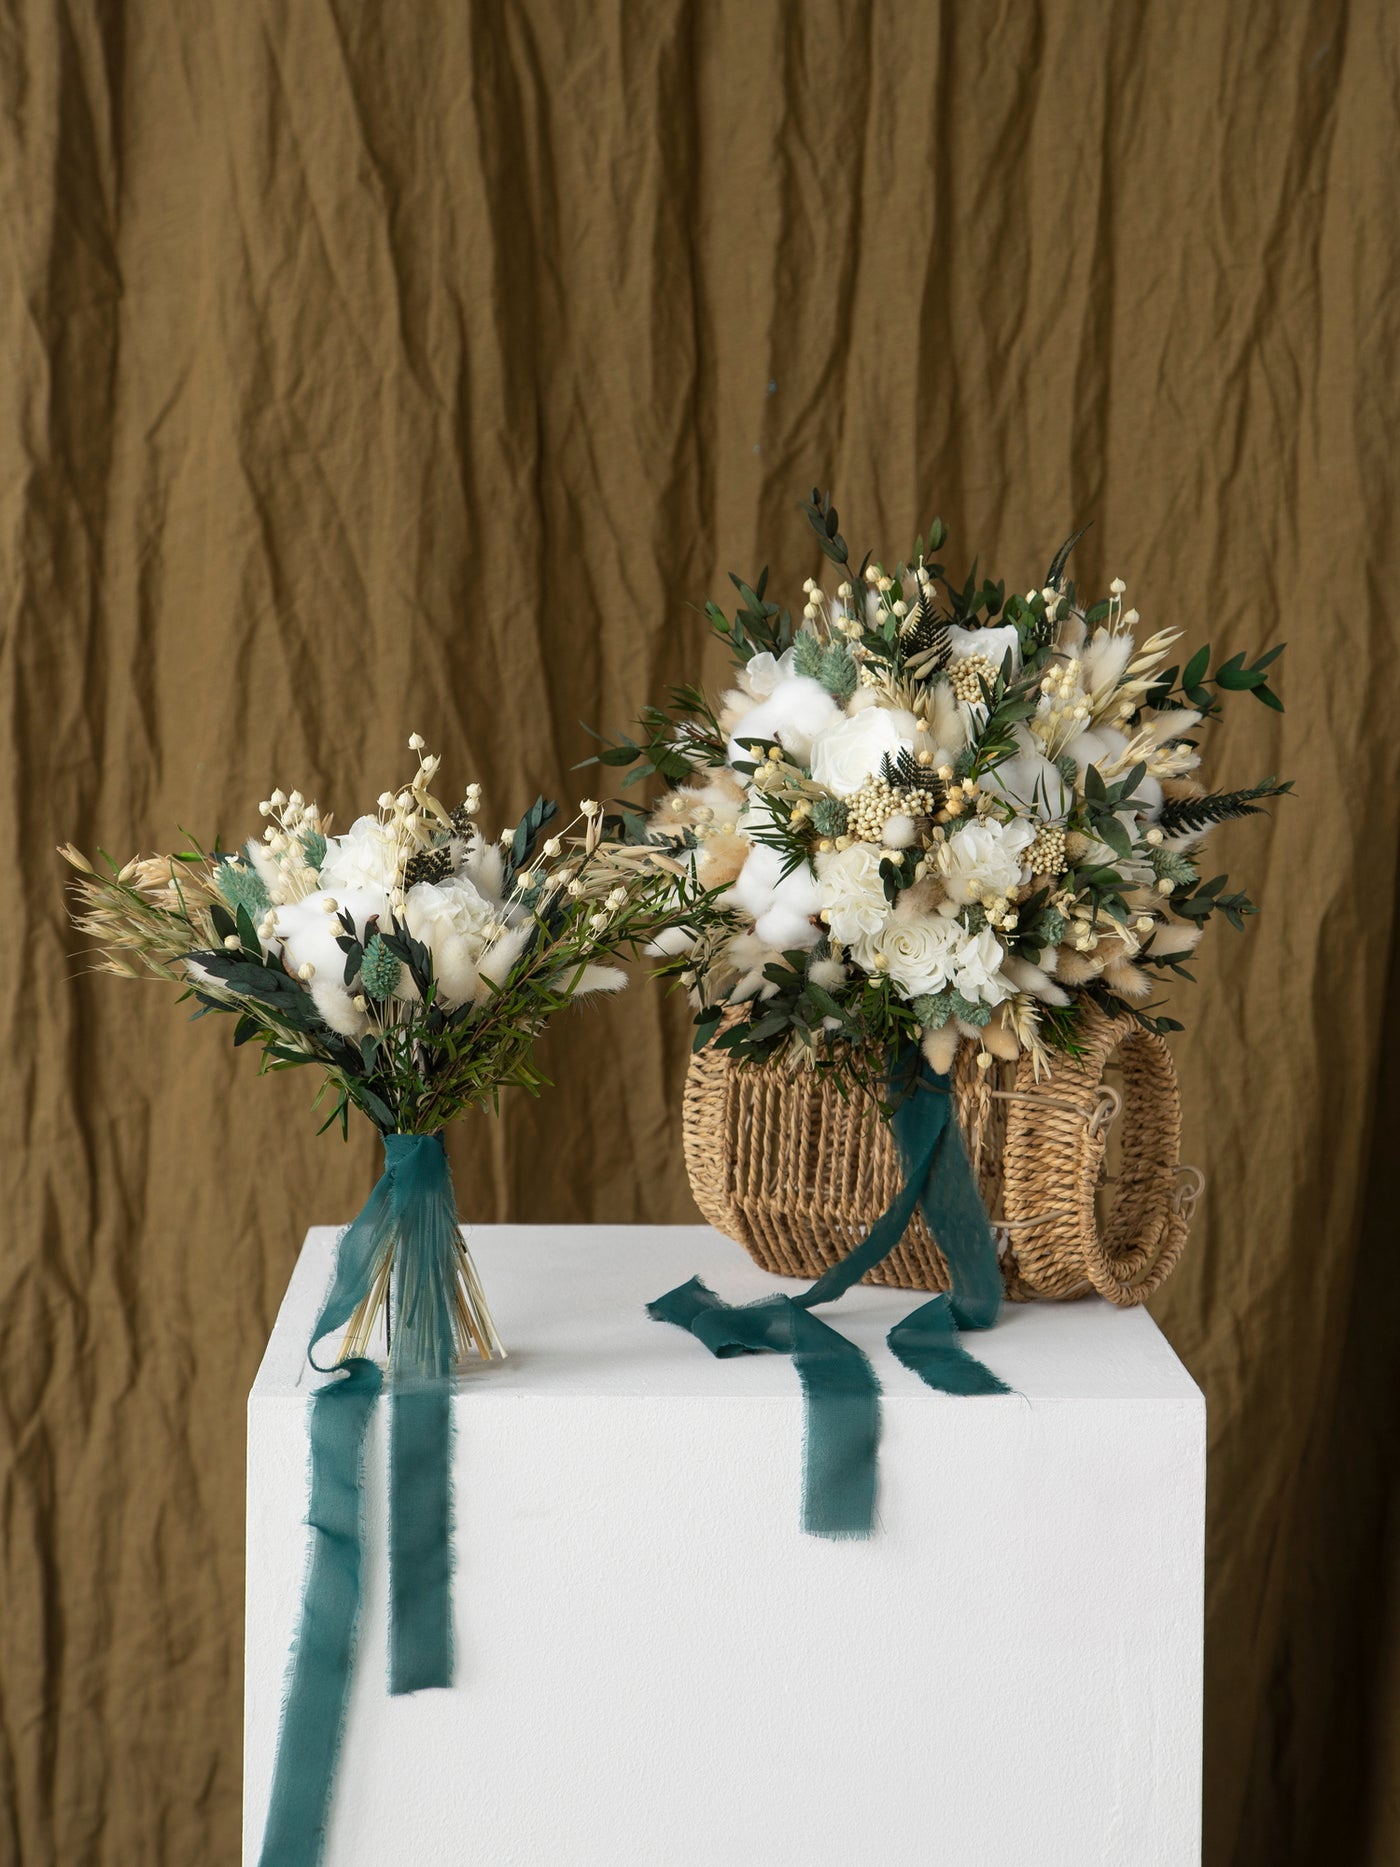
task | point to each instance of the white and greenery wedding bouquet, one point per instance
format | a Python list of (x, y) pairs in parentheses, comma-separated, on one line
[(413, 961), (939, 814)]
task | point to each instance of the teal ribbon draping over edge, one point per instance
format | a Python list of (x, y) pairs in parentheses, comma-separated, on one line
[(412, 1214), (841, 1394)]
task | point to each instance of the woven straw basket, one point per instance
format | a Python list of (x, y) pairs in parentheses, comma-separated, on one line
[(795, 1174)]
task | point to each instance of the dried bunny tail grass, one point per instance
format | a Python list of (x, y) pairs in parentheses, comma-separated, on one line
[(1000, 1036), (1077, 968), (720, 859), (1128, 980), (940, 1047)]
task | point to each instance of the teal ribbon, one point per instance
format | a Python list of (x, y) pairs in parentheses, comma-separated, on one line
[(841, 1394), (412, 1215)]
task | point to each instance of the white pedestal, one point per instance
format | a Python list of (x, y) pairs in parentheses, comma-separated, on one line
[(657, 1669)]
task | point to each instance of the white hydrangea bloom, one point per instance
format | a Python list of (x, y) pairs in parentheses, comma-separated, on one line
[(977, 973), (366, 856), (455, 923), (984, 858)]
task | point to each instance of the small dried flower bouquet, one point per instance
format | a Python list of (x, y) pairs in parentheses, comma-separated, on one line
[(414, 962)]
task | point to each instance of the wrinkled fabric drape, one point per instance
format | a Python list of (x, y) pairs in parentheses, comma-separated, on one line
[(371, 369)]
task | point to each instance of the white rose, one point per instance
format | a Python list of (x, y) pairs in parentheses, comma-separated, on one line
[(794, 712), (367, 856), (853, 893), (920, 951), (984, 858), (855, 749), (307, 931), (994, 644), (764, 672), (977, 969), (454, 922)]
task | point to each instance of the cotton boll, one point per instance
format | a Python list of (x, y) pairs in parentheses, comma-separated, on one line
[(994, 644), (941, 1046), (793, 714), (1097, 745), (761, 885), (1033, 785), (784, 929), (338, 1008), (306, 933)]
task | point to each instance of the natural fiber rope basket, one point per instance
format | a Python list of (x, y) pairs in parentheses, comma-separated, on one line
[(782, 1163)]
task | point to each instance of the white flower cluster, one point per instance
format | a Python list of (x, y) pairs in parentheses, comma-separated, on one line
[(965, 816), (414, 866)]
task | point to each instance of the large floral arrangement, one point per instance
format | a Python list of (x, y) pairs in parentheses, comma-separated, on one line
[(939, 813)]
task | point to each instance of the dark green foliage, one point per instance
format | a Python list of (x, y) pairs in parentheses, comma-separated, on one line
[(1188, 816), (429, 865), (822, 517), (906, 773), (527, 835)]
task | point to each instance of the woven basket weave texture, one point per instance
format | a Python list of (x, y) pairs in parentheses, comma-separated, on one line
[(782, 1163)]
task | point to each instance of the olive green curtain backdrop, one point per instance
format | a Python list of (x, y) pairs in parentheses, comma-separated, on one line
[(371, 369)]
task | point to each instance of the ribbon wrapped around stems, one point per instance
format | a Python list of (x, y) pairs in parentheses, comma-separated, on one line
[(840, 1389), (404, 1253)]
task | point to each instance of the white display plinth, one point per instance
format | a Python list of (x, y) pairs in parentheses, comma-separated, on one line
[(657, 1669)]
